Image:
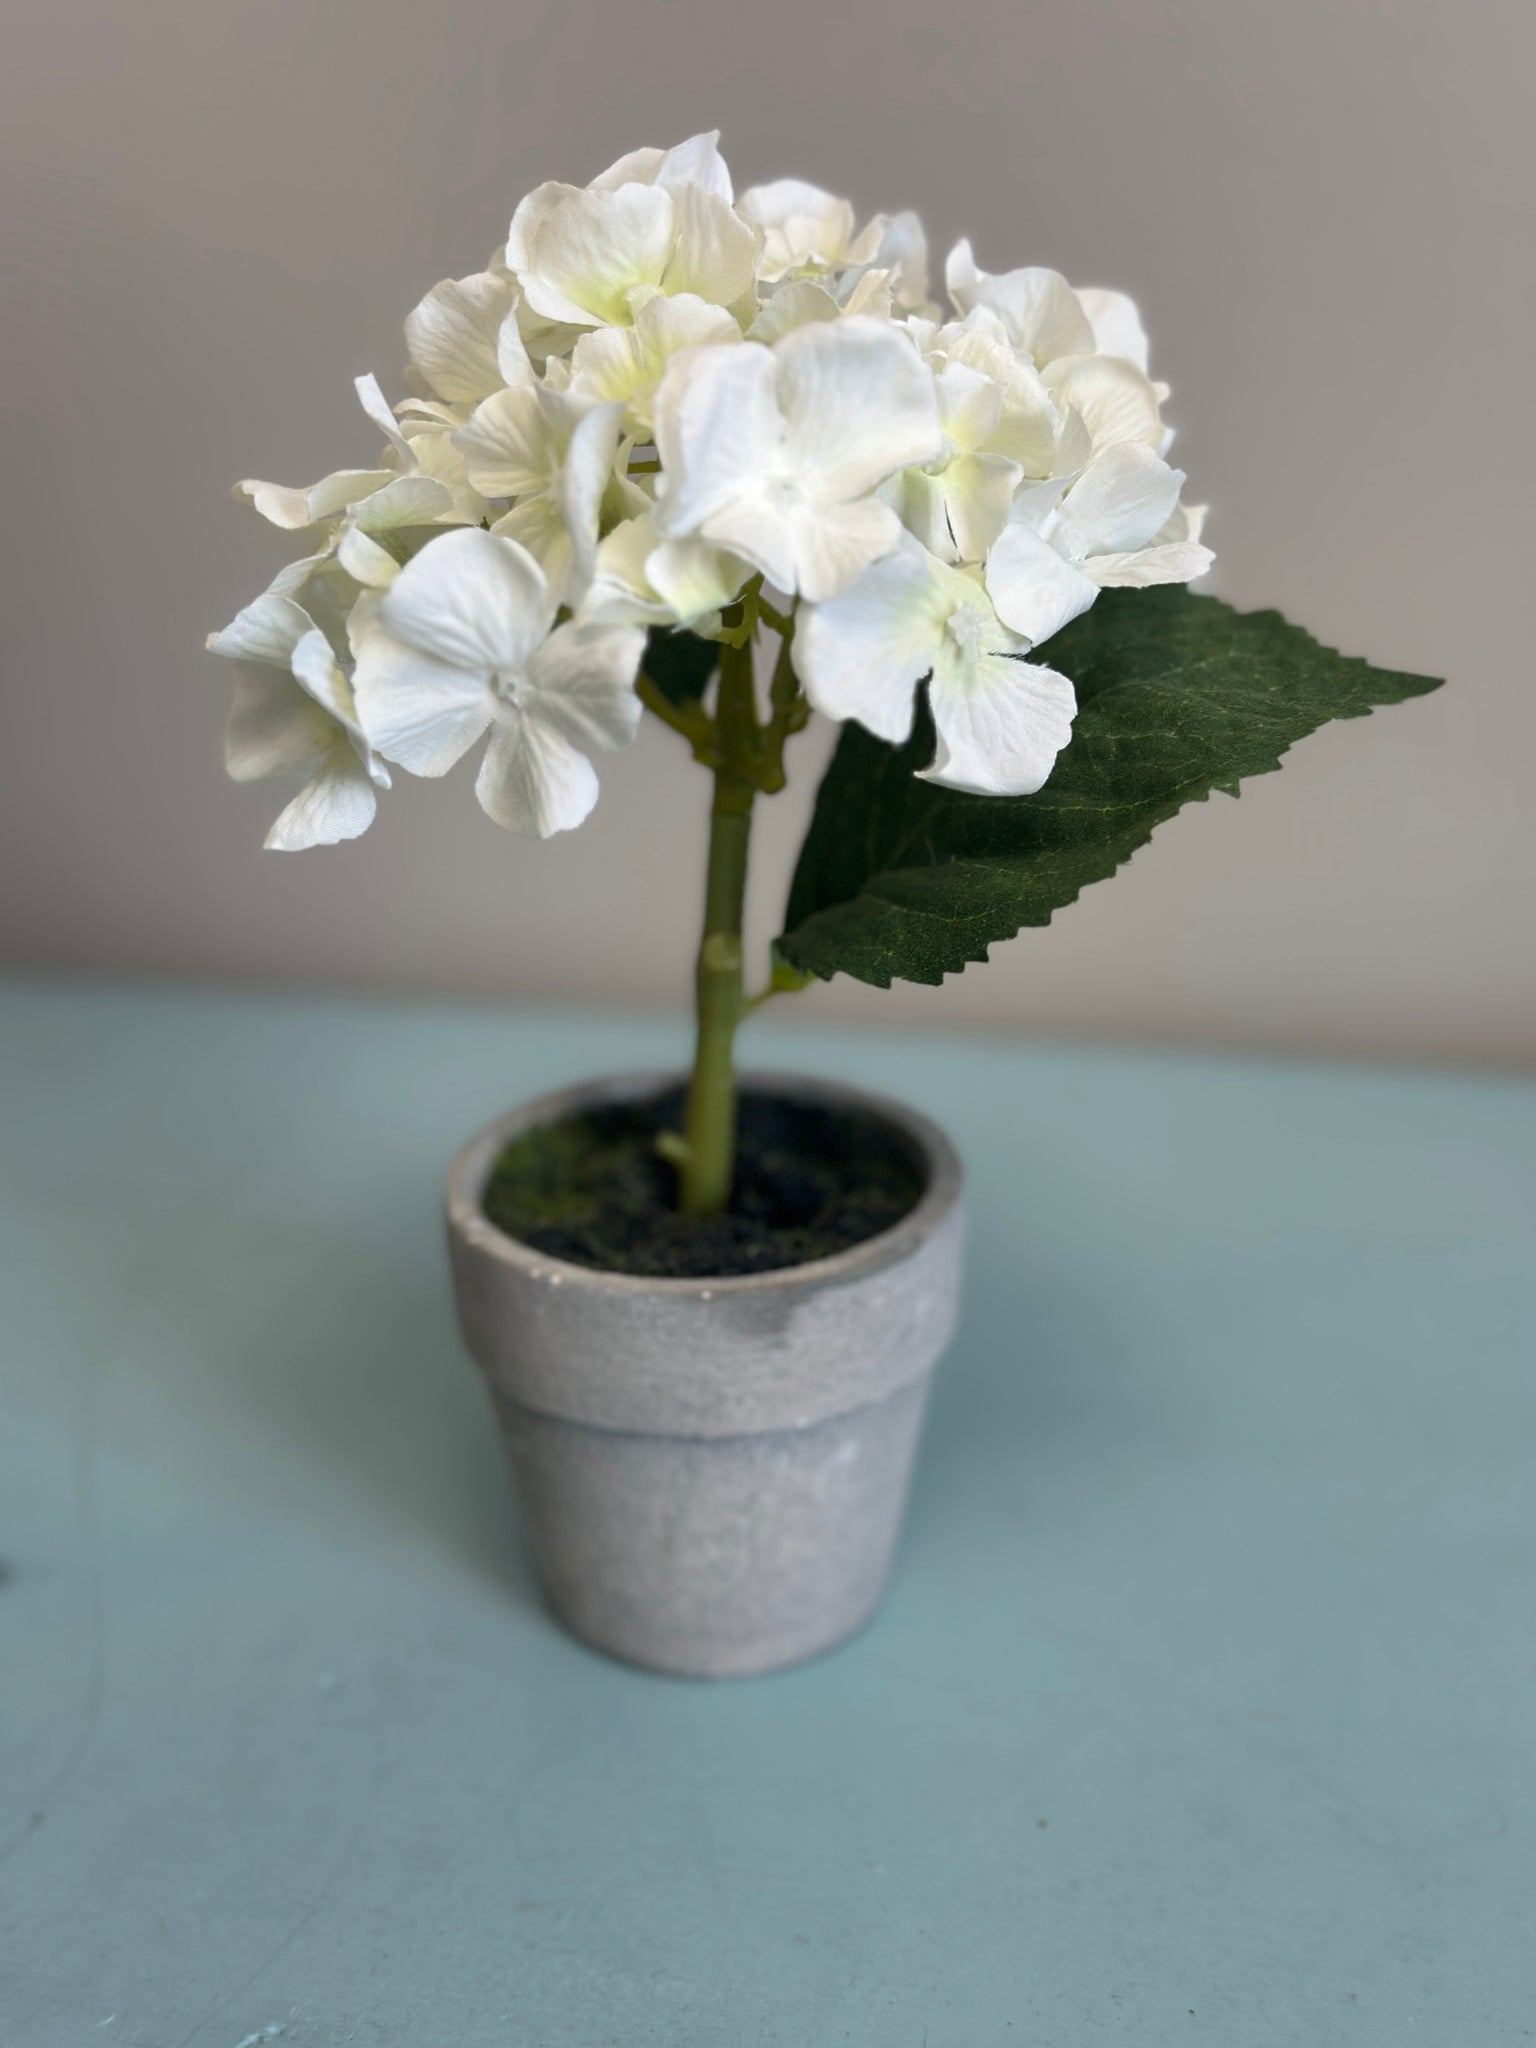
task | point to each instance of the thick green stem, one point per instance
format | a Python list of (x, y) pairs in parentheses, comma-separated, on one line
[(708, 1154)]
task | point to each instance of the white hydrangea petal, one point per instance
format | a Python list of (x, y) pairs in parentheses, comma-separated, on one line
[(917, 497), (1173, 562), (274, 727), (977, 492), (268, 629), (607, 363), (835, 543), (582, 682), (415, 709), (802, 225), (696, 163), (318, 673), (363, 620), (1000, 721), (1116, 324), (620, 592), (694, 579), (761, 530), (715, 250), (534, 213), (283, 505), (1037, 502), (970, 405), (903, 253), (584, 475), (628, 362), (1029, 424), (454, 336), (535, 523), (1185, 522), (682, 320), (1124, 497), (1035, 591), (376, 405), (717, 429), (337, 803), (403, 501), (506, 443), (442, 463), (635, 167), (1116, 400), (862, 654), (1074, 444), (512, 359), (594, 249), (533, 780), (365, 561), (803, 546), (962, 278), (1040, 312), (858, 403), (471, 598), (869, 293), (300, 579), (793, 304)]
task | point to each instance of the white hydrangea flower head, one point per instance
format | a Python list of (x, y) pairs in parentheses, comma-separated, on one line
[(658, 407)]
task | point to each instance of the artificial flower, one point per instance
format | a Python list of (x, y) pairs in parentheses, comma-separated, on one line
[(657, 220), (1116, 524), (464, 338), (627, 363), (640, 578), (377, 500), (461, 645), (1000, 720), (553, 453), (293, 713), (774, 453)]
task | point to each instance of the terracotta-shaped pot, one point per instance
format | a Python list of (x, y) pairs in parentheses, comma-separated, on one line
[(712, 1472)]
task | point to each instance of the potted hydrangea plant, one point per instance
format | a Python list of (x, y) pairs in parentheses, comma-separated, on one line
[(723, 461)]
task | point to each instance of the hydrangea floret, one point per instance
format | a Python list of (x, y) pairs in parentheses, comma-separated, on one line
[(724, 460)]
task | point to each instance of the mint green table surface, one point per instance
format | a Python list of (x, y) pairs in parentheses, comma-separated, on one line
[(1202, 1710)]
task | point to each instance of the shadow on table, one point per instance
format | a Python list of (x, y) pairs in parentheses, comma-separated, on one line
[(318, 1371), (1044, 1386)]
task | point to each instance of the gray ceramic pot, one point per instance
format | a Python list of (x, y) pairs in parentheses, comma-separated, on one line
[(712, 1471)]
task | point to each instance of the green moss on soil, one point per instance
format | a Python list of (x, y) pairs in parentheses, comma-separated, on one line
[(809, 1182)]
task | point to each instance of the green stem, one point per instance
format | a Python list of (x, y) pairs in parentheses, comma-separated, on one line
[(708, 1152)]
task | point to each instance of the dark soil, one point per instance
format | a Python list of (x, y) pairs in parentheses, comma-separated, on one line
[(809, 1182)]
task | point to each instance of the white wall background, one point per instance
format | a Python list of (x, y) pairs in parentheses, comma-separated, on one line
[(219, 211)]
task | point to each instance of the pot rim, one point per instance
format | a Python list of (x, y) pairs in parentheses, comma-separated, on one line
[(465, 1182)]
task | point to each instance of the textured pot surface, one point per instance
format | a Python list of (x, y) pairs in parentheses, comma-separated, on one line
[(712, 1471)]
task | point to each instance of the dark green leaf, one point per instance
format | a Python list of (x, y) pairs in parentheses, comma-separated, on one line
[(679, 663), (1178, 695)]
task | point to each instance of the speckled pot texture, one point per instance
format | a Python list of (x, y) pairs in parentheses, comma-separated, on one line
[(712, 1472)]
